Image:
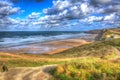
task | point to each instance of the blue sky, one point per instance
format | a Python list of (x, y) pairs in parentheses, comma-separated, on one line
[(58, 15), (31, 6)]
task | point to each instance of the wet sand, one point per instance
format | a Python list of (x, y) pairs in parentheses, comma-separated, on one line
[(50, 47)]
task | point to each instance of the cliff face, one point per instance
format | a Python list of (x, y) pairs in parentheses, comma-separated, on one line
[(106, 34), (109, 34)]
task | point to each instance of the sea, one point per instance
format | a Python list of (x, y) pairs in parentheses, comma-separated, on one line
[(13, 38)]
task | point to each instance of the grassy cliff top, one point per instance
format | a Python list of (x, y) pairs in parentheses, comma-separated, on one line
[(96, 49), (98, 62)]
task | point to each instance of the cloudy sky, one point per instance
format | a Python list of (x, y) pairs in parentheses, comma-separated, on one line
[(67, 15)]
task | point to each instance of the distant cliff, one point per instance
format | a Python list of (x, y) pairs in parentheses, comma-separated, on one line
[(106, 34)]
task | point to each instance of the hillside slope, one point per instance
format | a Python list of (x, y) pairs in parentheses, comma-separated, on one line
[(96, 49), (109, 34), (91, 60)]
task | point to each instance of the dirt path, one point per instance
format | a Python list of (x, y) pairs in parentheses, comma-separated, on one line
[(27, 73)]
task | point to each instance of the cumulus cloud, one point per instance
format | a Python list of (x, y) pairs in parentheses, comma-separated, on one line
[(92, 19), (68, 9), (110, 17), (6, 10), (66, 13), (34, 15), (83, 11)]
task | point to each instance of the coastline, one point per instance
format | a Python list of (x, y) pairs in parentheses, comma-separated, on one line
[(49, 47), (97, 53)]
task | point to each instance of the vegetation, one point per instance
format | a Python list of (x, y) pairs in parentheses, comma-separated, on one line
[(104, 50), (94, 61), (4, 68), (97, 63), (28, 63), (97, 49), (88, 70), (110, 34), (100, 49)]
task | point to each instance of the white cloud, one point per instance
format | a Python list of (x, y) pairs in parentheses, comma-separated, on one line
[(66, 13), (34, 15), (7, 9), (92, 19), (61, 5), (84, 10), (110, 17), (68, 9)]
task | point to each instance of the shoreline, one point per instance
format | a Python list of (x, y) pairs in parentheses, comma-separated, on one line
[(85, 37), (49, 47)]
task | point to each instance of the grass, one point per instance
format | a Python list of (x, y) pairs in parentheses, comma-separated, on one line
[(5, 56), (96, 49), (110, 33), (87, 62), (96, 64), (28, 63), (94, 69), (100, 49)]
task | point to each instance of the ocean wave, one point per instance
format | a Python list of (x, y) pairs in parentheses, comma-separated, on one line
[(20, 40)]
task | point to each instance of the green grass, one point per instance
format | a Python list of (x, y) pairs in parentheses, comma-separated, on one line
[(96, 49), (114, 42), (28, 63), (5, 56), (113, 55), (95, 62), (90, 67), (100, 49), (87, 70), (111, 33)]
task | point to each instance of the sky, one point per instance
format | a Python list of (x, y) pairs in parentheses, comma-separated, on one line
[(58, 15)]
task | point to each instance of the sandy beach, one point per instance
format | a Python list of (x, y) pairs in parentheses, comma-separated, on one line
[(45, 47), (43, 42), (49, 47)]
